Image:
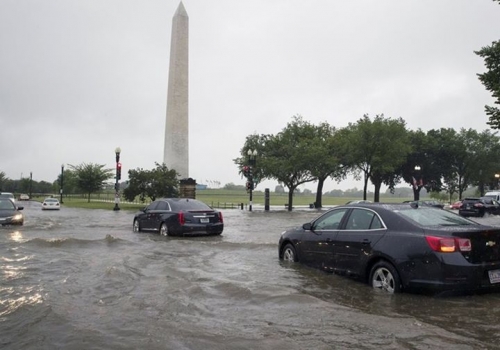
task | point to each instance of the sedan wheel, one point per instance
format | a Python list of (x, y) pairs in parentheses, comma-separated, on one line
[(289, 253), (136, 227), (385, 277), (164, 229)]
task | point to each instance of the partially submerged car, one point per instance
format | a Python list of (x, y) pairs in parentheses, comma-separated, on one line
[(179, 217), (399, 247), (51, 203), (10, 213)]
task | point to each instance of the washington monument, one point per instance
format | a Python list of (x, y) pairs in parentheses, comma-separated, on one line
[(176, 151)]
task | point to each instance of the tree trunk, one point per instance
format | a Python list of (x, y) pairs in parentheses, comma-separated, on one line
[(88, 201), (319, 193), (376, 196), (290, 198), (365, 187)]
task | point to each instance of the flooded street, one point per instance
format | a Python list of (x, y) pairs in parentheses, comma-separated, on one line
[(81, 279)]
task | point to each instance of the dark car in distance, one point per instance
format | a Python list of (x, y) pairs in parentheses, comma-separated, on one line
[(399, 247), (479, 207), (179, 217), (10, 213), (429, 203)]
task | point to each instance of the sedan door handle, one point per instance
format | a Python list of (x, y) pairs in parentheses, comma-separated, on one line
[(366, 241)]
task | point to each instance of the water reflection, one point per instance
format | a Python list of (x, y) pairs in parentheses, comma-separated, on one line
[(16, 236)]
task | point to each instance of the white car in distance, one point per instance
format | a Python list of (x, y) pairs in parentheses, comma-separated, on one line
[(51, 204)]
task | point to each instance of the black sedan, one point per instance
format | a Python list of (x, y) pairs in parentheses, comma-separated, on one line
[(479, 207), (399, 247), (179, 217), (429, 203), (10, 213)]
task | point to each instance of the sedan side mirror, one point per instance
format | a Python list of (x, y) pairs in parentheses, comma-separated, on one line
[(307, 226)]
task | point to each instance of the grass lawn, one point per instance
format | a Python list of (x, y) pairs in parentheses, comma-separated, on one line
[(216, 198)]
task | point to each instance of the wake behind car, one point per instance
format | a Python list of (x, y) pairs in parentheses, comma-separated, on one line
[(179, 217), (399, 247), (10, 213)]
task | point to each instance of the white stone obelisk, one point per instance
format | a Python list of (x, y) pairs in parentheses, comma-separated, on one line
[(176, 151)]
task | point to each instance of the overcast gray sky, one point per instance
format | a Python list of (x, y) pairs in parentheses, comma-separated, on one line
[(80, 77)]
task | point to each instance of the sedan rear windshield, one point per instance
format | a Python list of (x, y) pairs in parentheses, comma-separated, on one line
[(191, 205), (427, 217)]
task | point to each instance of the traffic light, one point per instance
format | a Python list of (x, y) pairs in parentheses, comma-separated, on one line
[(118, 171), (250, 172), (249, 185), (246, 170)]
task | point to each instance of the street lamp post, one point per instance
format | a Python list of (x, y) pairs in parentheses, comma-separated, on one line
[(417, 183), (31, 184), (118, 177), (62, 183), (252, 159), (497, 177)]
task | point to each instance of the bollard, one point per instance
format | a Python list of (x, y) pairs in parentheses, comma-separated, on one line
[(266, 199), (241, 206)]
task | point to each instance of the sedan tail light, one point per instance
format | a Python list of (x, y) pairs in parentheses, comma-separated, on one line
[(220, 217), (448, 244), (181, 218)]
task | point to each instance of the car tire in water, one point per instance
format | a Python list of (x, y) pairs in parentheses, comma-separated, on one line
[(164, 229), (385, 277), (136, 227), (289, 253)]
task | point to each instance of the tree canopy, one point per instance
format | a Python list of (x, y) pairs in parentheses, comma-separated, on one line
[(381, 150), (90, 178), (491, 79), (155, 183)]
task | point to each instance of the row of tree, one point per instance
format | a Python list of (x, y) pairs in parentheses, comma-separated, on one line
[(380, 150), (91, 178), (85, 178)]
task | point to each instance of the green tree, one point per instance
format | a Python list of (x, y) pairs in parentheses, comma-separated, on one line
[(485, 152), (393, 147), (450, 155), (491, 80), (323, 155), (91, 177), (138, 181), (155, 183), (163, 182), (3, 179), (285, 156), (424, 153), (70, 182), (377, 147)]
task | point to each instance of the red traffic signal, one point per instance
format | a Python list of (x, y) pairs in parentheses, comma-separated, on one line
[(118, 171), (246, 170)]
